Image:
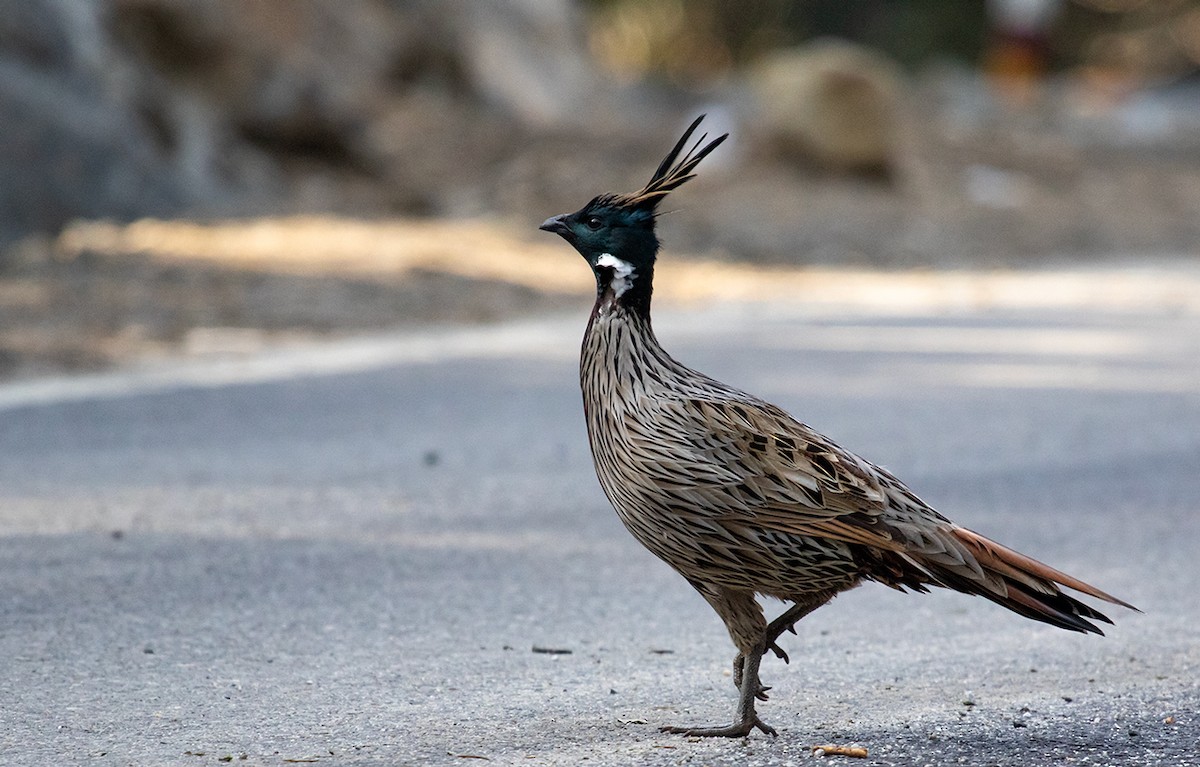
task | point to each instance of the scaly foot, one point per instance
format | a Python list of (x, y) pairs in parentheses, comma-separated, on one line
[(736, 730), (750, 689)]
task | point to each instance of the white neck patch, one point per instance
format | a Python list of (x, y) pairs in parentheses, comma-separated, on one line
[(622, 272)]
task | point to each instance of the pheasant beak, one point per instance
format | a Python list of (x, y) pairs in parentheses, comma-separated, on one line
[(558, 225)]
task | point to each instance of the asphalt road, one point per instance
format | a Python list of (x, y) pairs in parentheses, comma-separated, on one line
[(348, 555)]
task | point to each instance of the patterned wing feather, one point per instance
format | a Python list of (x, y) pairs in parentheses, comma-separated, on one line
[(782, 477)]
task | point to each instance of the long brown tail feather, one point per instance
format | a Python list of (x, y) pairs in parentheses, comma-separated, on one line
[(1017, 582), (1000, 558), (1058, 610)]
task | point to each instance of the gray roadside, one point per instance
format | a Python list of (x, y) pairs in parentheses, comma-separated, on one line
[(357, 552)]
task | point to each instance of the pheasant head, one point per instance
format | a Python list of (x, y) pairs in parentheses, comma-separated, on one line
[(615, 232)]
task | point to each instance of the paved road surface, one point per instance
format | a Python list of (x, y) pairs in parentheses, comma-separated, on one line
[(348, 556)]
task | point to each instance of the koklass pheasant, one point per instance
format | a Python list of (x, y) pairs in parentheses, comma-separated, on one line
[(739, 497)]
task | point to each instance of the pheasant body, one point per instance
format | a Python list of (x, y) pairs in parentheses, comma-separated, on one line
[(666, 448), (739, 497)]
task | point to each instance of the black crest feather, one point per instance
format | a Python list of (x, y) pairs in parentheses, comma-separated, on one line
[(670, 174)]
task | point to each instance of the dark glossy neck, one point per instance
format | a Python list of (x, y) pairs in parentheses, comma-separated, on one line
[(636, 297)]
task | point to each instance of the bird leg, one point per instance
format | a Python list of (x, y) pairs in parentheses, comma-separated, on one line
[(739, 662), (750, 689), (785, 622), (745, 675)]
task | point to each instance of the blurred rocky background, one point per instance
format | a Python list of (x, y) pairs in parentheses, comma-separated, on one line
[(191, 175)]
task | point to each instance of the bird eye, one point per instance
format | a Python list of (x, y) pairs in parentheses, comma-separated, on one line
[(593, 223)]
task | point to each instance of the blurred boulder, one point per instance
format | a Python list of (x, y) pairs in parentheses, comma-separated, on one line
[(528, 56), (68, 148), (127, 108), (832, 104), (286, 77)]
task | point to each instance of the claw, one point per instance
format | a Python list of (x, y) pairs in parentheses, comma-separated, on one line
[(779, 653), (766, 728)]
